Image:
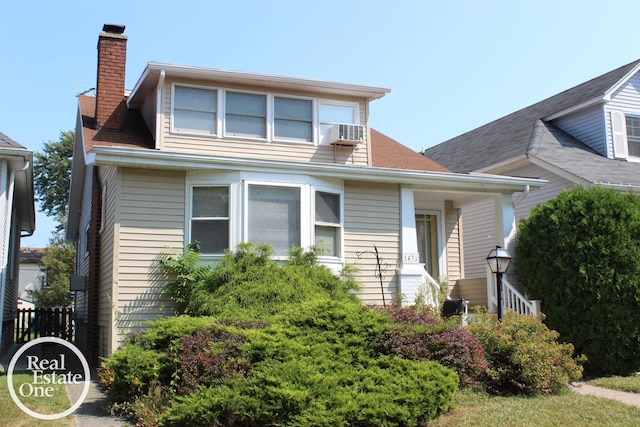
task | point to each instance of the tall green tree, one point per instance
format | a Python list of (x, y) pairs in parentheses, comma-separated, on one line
[(52, 178)]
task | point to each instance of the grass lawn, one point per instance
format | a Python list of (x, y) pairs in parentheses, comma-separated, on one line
[(567, 410), (11, 415), (630, 384)]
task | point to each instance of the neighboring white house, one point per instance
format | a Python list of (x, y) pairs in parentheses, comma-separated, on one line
[(17, 219), (588, 135), (224, 157), (31, 277)]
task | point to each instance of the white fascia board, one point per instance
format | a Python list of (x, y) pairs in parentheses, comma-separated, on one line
[(609, 93), (575, 108), (505, 165), (559, 171), (76, 185), (269, 80), (438, 181)]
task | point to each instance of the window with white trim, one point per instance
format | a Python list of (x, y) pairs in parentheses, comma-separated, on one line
[(293, 118), (274, 216), (246, 114), (210, 218), (195, 110), (633, 135), (250, 115), (328, 223), (333, 113)]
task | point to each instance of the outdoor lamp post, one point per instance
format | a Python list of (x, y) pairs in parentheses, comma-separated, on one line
[(499, 260)]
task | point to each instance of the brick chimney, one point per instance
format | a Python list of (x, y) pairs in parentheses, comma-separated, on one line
[(112, 60)]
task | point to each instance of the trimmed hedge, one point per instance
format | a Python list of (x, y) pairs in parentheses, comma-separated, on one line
[(580, 254)]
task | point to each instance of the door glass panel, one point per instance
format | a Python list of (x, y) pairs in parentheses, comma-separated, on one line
[(427, 231)]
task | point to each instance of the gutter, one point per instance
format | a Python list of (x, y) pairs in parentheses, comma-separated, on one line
[(133, 157)]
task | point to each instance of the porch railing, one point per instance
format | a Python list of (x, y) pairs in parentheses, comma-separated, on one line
[(512, 299), (429, 291)]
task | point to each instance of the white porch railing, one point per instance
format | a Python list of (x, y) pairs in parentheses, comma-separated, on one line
[(511, 299), (429, 290)]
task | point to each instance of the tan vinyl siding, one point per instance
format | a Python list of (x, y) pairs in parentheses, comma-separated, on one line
[(108, 179), (479, 234), (371, 217), (151, 220), (289, 151), (452, 242)]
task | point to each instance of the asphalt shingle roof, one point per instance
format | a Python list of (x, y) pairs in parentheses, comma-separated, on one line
[(509, 137), (7, 142)]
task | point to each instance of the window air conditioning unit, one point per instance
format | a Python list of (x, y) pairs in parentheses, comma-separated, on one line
[(344, 134)]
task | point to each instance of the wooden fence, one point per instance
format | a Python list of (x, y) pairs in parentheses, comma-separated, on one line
[(44, 322)]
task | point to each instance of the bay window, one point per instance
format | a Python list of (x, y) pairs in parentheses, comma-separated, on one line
[(274, 216), (327, 223), (210, 218)]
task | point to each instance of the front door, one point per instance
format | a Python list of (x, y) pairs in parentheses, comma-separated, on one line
[(427, 230)]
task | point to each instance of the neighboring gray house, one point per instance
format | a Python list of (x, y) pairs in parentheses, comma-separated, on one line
[(588, 135), (17, 216)]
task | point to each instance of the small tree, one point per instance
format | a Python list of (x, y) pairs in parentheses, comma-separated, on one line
[(58, 264), (580, 254)]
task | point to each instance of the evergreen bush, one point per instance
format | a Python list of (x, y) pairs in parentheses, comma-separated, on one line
[(580, 254)]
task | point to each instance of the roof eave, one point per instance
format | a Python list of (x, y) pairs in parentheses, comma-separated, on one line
[(118, 156), (153, 69)]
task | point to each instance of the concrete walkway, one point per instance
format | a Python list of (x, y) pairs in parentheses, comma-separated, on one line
[(632, 399), (92, 412)]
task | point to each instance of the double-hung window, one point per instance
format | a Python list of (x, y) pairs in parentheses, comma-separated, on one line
[(274, 216), (633, 135), (195, 110), (327, 223), (293, 118), (246, 114), (210, 218), (332, 113)]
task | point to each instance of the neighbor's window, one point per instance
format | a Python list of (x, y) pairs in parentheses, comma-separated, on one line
[(633, 135), (210, 218), (246, 114), (274, 216), (293, 118), (328, 223), (195, 109)]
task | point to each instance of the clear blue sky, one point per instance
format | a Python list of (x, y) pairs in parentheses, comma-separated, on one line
[(451, 65)]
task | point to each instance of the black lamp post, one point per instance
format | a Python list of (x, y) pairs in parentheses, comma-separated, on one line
[(499, 260)]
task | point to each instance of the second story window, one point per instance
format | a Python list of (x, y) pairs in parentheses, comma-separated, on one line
[(293, 118), (633, 135), (195, 110), (246, 114)]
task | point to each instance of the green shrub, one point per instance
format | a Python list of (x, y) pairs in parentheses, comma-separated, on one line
[(421, 336), (580, 254), (524, 355), (130, 371), (385, 392)]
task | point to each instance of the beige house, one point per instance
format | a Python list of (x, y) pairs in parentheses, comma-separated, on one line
[(224, 157)]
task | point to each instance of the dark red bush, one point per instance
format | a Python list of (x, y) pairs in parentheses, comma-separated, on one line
[(209, 357), (421, 336)]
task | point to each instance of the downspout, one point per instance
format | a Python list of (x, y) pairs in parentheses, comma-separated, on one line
[(159, 111), (26, 166), (518, 199)]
